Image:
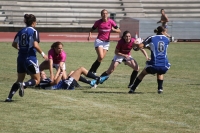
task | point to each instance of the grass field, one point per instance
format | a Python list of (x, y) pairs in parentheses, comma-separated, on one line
[(108, 108)]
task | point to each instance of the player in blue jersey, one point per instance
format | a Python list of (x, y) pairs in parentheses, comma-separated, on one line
[(26, 42), (158, 64), (71, 82)]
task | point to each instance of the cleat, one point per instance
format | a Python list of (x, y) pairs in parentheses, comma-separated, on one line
[(160, 91), (98, 80), (93, 83), (21, 89), (8, 100), (95, 86), (131, 91), (103, 78)]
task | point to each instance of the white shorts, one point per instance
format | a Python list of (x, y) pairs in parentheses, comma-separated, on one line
[(57, 66), (118, 58), (104, 44)]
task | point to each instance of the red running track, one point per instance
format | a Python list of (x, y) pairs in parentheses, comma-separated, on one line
[(58, 36)]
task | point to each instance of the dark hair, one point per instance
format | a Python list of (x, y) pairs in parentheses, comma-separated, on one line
[(55, 44), (124, 33), (29, 19), (159, 29), (103, 11)]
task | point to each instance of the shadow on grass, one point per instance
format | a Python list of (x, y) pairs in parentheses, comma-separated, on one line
[(104, 92), (193, 84)]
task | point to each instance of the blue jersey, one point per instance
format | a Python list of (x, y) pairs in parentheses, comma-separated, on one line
[(158, 45), (68, 84), (25, 39)]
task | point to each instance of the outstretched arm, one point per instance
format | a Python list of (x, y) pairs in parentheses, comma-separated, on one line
[(145, 54)]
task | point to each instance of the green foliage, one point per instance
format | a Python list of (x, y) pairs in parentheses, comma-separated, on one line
[(108, 108)]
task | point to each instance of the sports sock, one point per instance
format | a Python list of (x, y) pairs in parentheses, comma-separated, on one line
[(84, 80), (31, 82), (13, 90), (133, 76), (91, 75), (104, 74), (136, 83), (160, 83), (95, 66)]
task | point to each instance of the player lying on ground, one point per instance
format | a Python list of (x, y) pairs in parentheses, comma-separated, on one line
[(71, 82)]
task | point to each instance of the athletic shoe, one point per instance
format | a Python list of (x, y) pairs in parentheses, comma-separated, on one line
[(160, 91), (8, 100), (93, 83), (103, 78), (131, 91), (21, 89)]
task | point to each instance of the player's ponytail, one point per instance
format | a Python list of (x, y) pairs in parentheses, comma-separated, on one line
[(29, 19), (159, 29)]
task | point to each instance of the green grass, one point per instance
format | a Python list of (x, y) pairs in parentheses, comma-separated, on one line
[(108, 108)]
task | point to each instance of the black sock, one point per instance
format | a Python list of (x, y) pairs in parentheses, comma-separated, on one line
[(13, 90), (136, 83), (133, 76), (104, 74), (31, 82), (95, 66), (160, 83), (91, 75), (84, 80)]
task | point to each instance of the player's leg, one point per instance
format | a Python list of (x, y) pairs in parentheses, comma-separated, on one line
[(160, 78), (101, 50), (76, 74), (44, 65), (138, 80), (15, 87), (133, 64)]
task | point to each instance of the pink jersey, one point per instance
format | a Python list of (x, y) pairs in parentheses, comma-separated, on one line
[(57, 58), (123, 47), (104, 29)]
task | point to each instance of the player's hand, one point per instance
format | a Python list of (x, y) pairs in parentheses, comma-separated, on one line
[(88, 38), (45, 57)]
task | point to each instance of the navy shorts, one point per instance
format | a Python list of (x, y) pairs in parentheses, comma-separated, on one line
[(158, 70), (27, 65)]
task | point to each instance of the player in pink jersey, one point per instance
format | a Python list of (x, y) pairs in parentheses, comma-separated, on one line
[(123, 54), (57, 58), (101, 44)]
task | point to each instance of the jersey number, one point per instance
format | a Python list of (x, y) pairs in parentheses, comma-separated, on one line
[(161, 46), (24, 38)]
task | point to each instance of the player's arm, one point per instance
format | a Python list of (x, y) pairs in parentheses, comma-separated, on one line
[(58, 78), (90, 33), (51, 69), (145, 54), (15, 42), (59, 70), (116, 29), (139, 44), (15, 45), (120, 54), (37, 47)]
